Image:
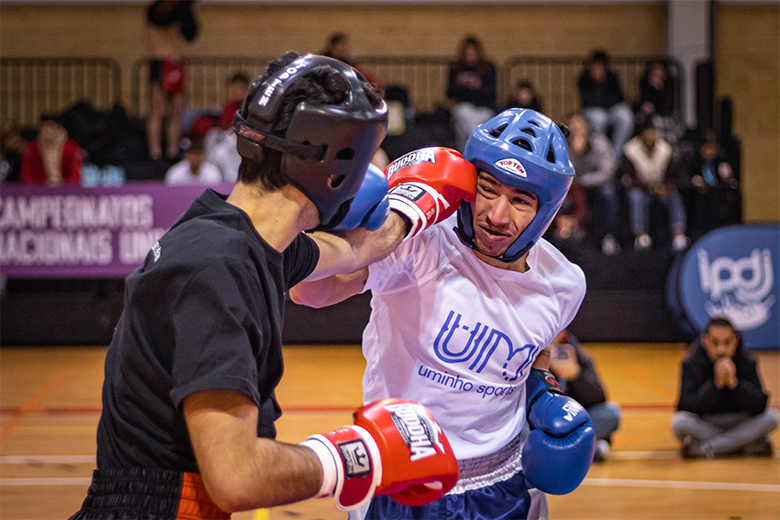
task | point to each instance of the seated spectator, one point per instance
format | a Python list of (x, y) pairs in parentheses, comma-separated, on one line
[(52, 158), (716, 192), (471, 89), (602, 102), (656, 101), (238, 87), (576, 372), (722, 407), (193, 169), (220, 140), (569, 223), (338, 47), (224, 155), (12, 148), (524, 96), (591, 156), (648, 169)]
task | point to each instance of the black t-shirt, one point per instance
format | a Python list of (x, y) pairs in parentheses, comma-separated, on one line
[(204, 312)]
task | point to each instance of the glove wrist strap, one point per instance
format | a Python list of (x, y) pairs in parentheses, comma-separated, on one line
[(329, 465), (551, 385)]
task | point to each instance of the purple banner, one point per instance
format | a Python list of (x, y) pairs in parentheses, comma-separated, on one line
[(77, 232)]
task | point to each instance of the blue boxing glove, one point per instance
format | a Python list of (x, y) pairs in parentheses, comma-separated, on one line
[(559, 450), (370, 207)]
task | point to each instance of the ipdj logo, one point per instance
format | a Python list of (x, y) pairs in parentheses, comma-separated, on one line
[(738, 289)]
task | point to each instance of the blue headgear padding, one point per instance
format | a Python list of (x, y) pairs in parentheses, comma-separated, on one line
[(527, 150), (327, 148)]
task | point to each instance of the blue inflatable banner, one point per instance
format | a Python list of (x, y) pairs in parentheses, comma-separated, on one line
[(732, 272)]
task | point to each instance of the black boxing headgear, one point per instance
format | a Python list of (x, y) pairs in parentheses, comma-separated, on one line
[(327, 148)]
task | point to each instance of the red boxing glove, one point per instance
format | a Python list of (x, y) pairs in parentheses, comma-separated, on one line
[(396, 448), (428, 185)]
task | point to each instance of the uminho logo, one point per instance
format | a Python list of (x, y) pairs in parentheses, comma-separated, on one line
[(738, 289)]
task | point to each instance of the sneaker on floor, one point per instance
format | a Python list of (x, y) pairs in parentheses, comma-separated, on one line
[(601, 451), (643, 241), (679, 243), (758, 448), (693, 449), (610, 246)]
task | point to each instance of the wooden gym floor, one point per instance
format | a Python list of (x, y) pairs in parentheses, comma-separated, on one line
[(50, 404)]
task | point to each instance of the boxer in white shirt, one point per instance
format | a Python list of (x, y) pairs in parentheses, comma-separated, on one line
[(460, 314)]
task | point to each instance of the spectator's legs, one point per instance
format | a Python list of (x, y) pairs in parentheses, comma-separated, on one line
[(596, 118), (173, 127), (622, 120), (678, 218), (639, 207), (606, 418), (610, 199), (466, 116), (154, 123), (740, 429), (687, 423)]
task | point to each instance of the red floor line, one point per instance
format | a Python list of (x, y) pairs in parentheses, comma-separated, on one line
[(24, 410), (31, 405)]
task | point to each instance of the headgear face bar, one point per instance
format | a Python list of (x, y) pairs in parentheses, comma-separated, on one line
[(327, 148)]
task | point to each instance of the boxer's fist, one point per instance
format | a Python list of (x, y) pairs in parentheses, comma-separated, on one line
[(370, 207), (395, 448), (428, 185), (558, 452), (418, 464)]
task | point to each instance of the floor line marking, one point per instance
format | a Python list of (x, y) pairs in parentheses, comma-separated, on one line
[(680, 484), (47, 459), (52, 481), (32, 404)]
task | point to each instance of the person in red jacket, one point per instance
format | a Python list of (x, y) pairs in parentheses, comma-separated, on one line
[(52, 158)]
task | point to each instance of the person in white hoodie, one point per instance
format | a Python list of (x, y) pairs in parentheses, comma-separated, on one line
[(194, 168), (649, 170)]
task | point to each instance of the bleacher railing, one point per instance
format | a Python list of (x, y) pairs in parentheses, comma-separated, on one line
[(555, 79), (30, 87), (207, 80)]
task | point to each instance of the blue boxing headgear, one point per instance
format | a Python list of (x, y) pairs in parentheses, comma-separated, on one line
[(327, 148), (522, 149)]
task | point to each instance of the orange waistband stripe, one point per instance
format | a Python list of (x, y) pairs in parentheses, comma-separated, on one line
[(195, 502)]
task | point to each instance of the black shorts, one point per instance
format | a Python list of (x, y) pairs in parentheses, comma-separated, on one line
[(147, 493)]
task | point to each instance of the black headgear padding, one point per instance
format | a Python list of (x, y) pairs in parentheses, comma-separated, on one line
[(327, 147)]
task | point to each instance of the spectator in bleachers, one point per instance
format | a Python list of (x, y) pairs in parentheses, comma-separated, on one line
[(471, 89), (576, 372), (716, 192), (524, 96), (339, 47), (656, 101), (166, 23), (220, 141), (591, 155), (193, 169), (722, 408), (568, 226), (649, 170), (52, 158), (12, 148), (602, 102), (238, 86)]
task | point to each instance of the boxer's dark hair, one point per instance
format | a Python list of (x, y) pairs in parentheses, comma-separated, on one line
[(324, 86)]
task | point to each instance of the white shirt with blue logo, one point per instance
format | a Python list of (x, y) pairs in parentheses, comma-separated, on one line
[(459, 336)]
